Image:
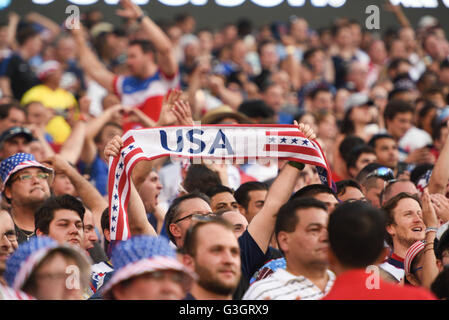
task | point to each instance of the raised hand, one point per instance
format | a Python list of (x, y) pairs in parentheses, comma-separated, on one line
[(113, 147), (167, 117), (430, 218), (441, 206), (183, 113), (57, 163), (130, 10), (306, 130)]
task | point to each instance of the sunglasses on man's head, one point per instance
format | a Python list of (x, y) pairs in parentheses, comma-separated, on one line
[(382, 172), (196, 216)]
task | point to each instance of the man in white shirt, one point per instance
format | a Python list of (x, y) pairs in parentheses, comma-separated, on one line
[(301, 232)]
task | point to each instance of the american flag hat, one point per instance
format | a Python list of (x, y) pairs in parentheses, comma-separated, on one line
[(17, 162), (29, 254), (144, 254), (411, 253)]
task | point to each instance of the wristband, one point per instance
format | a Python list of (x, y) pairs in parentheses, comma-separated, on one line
[(431, 229), (297, 165)]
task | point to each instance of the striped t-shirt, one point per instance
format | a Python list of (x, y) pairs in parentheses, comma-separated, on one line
[(282, 285)]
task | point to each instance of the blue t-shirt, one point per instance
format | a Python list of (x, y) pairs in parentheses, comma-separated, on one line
[(98, 171)]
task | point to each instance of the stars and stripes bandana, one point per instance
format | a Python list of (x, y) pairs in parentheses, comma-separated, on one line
[(227, 143)]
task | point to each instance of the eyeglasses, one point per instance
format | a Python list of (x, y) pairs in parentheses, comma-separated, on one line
[(29, 176), (10, 235), (195, 216), (383, 172)]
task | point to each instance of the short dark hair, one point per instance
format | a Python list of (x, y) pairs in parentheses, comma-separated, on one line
[(46, 212), (356, 233), (342, 185), (105, 219), (97, 138), (356, 152), (440, 286), (312, 190), (287, 220), (241, 195), (145, 45), (348, 144), (389, 207), (173, 211), (190, 241), (378, 136), (314, 93), (394, 64), (25, 33), (442, 245), (199, 178), (7, 107), (310, 52), (395, 107), (219, 188)]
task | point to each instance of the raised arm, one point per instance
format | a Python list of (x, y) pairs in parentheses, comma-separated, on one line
[(86, 191), (430, 268), (93, 128), (137, 217), (399, 13), (261, 227), (91, 64), (165, 55), (440, 173)]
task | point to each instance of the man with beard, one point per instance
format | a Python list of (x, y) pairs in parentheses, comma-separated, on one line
[(302, 237), (405, 226), (25, 187), (215, 259)]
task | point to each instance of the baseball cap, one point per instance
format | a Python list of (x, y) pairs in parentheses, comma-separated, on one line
[(357, 100), (17, 162), (15, 131)]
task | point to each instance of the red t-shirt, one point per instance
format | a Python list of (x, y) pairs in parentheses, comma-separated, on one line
[(353, 285)]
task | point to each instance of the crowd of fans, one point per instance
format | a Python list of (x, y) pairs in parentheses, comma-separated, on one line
[(376, 102)]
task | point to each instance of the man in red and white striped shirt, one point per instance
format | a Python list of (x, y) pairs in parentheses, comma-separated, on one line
[(148, 81)]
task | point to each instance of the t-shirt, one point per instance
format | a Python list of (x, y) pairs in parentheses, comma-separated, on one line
[(352, 285), (252, 258), (98, 171), (22, 235), (59, 100), (394, 265), (21, 76), (282, 285), (146, 94)]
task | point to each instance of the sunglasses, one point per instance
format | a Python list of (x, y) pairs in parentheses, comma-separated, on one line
[(197, 216), (383, 172)]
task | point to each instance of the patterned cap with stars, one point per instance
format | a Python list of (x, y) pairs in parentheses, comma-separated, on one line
[(144, 254), (17, 162), (29, 254)]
